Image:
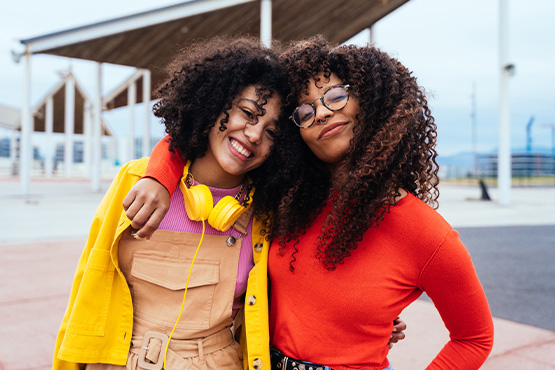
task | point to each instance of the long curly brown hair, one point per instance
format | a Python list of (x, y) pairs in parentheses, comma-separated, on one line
[(203, 81), (393, 147)]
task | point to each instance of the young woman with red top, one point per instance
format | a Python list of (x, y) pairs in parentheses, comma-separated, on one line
[(356, 239)]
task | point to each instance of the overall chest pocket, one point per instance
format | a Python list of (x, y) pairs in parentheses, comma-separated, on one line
[(158, 285)]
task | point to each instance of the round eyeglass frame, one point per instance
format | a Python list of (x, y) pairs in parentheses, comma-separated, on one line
[(321, 98)]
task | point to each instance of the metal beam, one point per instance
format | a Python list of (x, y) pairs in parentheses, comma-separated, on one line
[(121, 88), (96, 132), (25, 145), (147, 112), (69, 124), (87, 137), (125, 24), (131, 100), (48, 129), (266, 22)]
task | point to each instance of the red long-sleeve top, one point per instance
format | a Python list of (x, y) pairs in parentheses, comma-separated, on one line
[(343, 318), (164, 166)]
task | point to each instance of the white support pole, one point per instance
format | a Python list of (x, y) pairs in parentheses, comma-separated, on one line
[(96, 132), (266, 22), (48, 129), (372, 35), (504, 155), (69, 125), (131, 100), (146, 102), (25, 145), (87, 138), (13, 151), (474, 130)]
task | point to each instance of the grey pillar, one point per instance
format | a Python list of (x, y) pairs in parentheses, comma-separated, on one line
[(96, 132), (25, 145), (69, 125), (48, 129), (146, 102), (266, 22)]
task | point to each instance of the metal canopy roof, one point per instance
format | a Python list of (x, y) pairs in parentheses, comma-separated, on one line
[(149, 39), (57, 94)]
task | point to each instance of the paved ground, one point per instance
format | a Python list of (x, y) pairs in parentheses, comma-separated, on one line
[(516, 265), (41, 237), (513, 251), (56, 209)]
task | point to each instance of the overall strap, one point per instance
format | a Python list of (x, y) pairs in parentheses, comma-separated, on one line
[(243, 221)]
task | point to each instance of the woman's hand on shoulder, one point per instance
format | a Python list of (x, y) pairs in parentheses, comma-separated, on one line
[(146, 204)]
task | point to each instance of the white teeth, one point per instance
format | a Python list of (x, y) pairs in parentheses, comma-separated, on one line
[(238, 147)]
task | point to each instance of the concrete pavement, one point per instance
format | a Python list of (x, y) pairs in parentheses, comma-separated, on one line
[(42, 236)]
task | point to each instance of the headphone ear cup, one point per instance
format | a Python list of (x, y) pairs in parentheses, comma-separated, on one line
[(198, 201), (199, 206), (225, 213)]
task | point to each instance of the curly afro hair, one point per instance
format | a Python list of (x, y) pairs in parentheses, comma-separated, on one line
[(204, 79), (393, 147)]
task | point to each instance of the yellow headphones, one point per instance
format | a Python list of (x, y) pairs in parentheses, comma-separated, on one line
[(199, 203)]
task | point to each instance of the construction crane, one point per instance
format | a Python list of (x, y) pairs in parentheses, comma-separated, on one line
[(529, 135)]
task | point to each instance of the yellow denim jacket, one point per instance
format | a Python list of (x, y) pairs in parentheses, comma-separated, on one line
[(98, 321)]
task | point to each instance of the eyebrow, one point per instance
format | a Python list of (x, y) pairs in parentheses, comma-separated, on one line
[(258, 106)]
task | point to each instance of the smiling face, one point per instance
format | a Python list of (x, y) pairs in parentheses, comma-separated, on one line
[(243, 146), (330, 142)]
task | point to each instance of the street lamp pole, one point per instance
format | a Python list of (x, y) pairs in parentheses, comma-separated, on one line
[(507, 70)]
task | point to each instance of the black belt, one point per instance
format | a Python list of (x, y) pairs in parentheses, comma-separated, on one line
[(282, 362)]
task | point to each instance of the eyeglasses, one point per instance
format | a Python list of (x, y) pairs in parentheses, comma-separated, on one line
[(335, 98)]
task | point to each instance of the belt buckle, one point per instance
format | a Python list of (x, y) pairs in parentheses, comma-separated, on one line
[(142, 354)]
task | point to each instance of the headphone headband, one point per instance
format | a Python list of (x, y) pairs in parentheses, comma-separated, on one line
[(199, 203)]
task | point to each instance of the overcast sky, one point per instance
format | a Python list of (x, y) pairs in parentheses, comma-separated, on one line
[(450, 46)]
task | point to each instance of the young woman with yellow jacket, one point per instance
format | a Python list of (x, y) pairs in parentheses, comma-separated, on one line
[(221, 104)]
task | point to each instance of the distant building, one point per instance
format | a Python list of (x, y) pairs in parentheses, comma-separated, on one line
[(5, 147), (522, 165), (78, 152)]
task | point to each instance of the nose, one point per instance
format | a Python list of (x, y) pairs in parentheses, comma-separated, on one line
[(322, 112), (253, 133)]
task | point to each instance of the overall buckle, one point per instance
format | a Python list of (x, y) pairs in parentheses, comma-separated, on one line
[(145, 355)]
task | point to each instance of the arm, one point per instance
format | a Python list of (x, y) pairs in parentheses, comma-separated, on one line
[(149, 200), (164, 166), (451, 282)]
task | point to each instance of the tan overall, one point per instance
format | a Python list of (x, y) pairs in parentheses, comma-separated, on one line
[(156, 272)]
